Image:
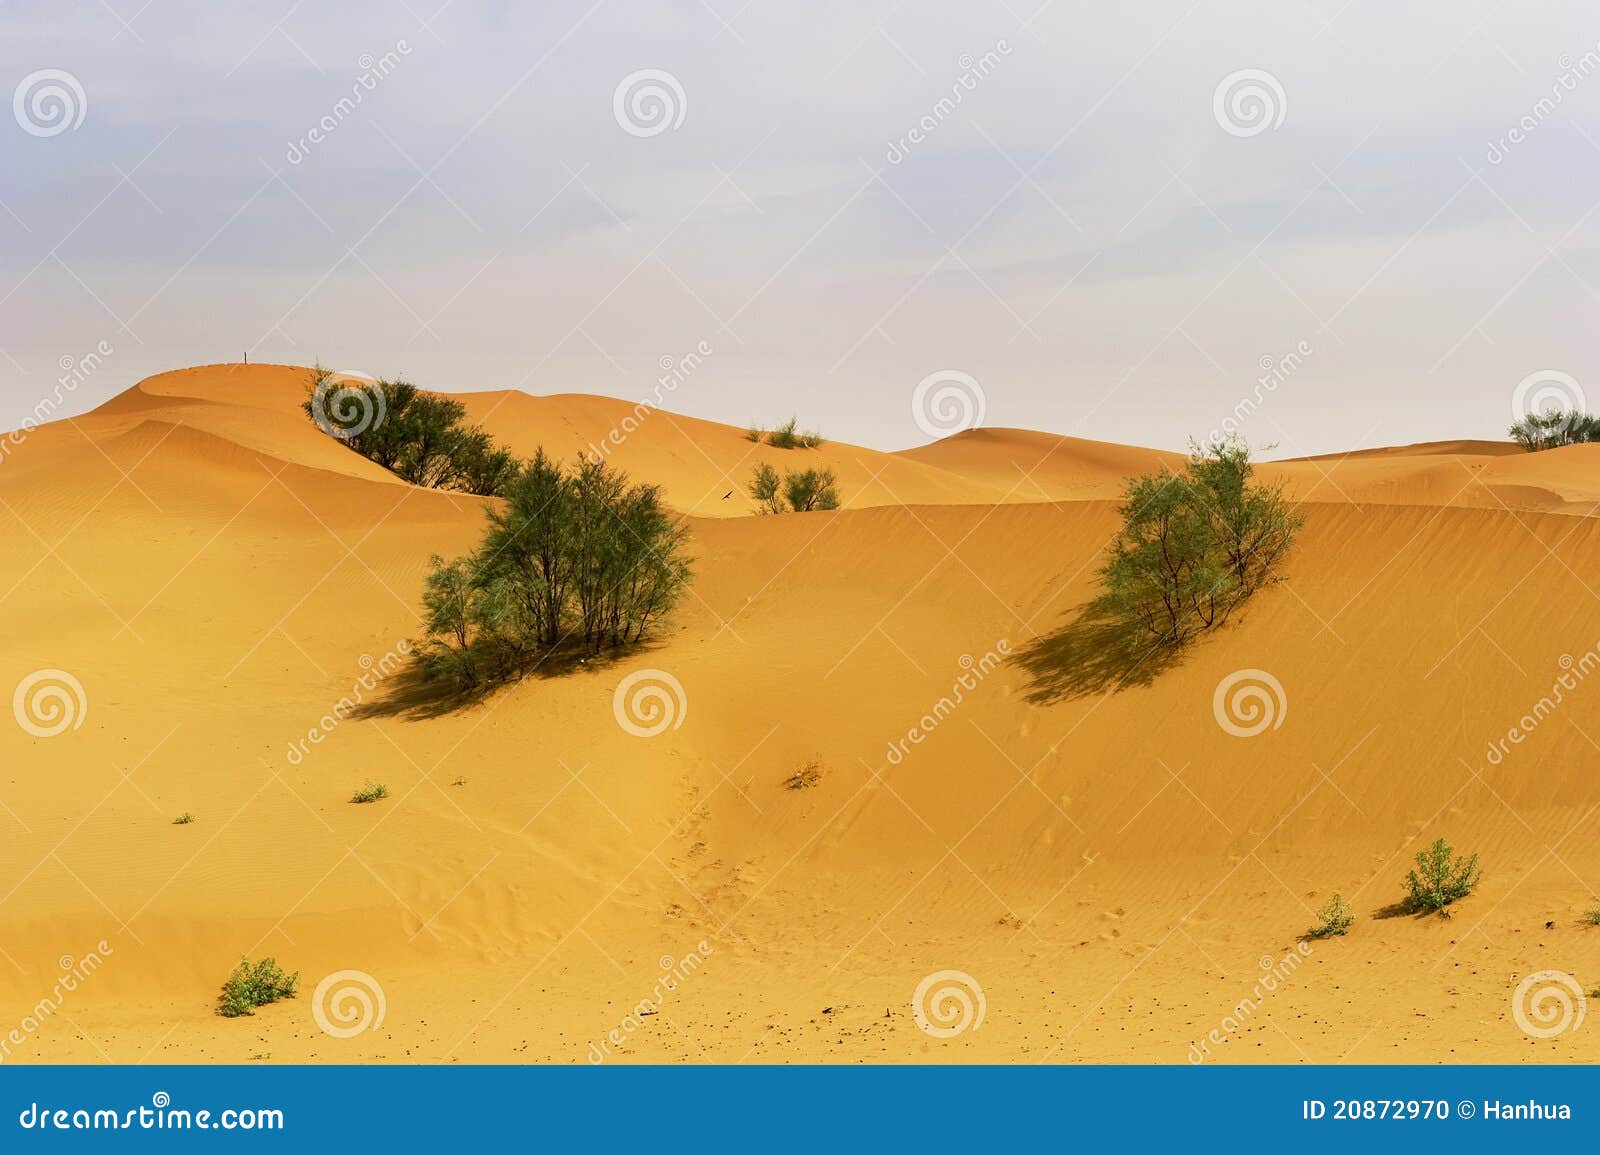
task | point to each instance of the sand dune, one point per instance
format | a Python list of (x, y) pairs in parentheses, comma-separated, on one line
[(1097, 851)]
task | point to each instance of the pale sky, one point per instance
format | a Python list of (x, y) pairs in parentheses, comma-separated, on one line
[(1080, 233)]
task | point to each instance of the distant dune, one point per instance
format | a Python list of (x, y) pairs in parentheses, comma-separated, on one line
[(1110, 864)]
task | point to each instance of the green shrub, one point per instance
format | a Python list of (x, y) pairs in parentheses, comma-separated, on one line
[(754, 433), (1193, 547), (810, 439), (810, 489), (1440, 878), (801, 490), (578, 560), (249, 987), (764, 489), (1334, 918), (371, 792), (1552, 430), (1593, 916), (419, 436), (183, 819), (784, 436)]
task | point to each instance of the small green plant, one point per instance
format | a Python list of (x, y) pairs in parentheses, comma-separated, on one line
[(183, 819), (810, 439), (371, 792), (1441, 878), (249, 987), (754, 433), (784, 436), (1593, 916), (1334, 918), (460, 780)]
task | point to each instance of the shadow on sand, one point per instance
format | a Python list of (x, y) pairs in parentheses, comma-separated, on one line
[(410, 694), (1092, 654)]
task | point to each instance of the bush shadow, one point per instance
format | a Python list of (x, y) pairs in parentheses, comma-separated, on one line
[(1093, 654), (412, 695)]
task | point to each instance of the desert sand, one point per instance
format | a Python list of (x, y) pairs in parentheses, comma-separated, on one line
[(1110, 865)]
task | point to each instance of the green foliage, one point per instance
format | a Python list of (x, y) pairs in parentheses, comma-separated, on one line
[(1193, 547), (784, 436), (371, 792), (249, 987), (764, 489), (1440, 878), (1593, 916), (801, 490), (810, 489), (183, 819), (419, 436), (1552, 430), (1335, 918), (575, 559)]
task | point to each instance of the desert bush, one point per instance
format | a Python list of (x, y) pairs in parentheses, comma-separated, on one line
[(1593, 916), (801, 490), (764, 485), (183, 819), (1194, 546), (754, 433), (1334, 918), (810, 489), (1440, 877), (578, 559), (371, 792), (421, 437), (249, 987), (785, 436), (1539, 431), (810, 439)]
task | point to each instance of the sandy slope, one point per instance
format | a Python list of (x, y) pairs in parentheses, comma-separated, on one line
[(1108, 863)]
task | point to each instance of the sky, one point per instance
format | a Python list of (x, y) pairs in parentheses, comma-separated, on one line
[(891, 219)]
